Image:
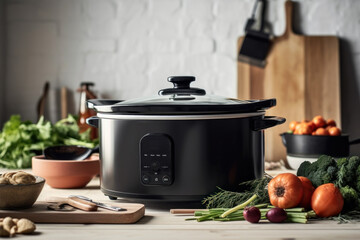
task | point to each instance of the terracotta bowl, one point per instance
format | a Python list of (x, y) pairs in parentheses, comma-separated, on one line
[(20, 196), (66, 173)]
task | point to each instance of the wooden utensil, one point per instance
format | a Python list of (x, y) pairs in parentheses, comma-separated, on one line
[(42, 101), (75, 202), (185, 211), (40, 214), (64, 105), (302, 73), (99, 204)]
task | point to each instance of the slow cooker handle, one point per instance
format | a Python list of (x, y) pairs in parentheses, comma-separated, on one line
[(267, 122), (355, 141), (91, 103), (93, 121)]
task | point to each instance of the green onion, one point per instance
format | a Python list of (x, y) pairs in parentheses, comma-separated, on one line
[(207, 217), (294, 215), (289, 209), (240, 206), (297, 220)]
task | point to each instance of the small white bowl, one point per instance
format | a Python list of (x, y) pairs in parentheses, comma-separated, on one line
[(295, 162)]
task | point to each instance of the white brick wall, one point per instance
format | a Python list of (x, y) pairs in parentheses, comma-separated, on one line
[(129, 47)]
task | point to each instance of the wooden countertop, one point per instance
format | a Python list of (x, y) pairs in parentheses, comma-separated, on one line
[(159, 224)]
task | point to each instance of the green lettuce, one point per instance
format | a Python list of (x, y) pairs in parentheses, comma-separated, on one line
[(21, 140)]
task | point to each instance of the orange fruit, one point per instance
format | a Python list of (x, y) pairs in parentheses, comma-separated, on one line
[(331, 122), (297, 127), (304, 129), (292, 125), (312, 126), (319, 121), (321, 131), (308, 190), (334, 131)]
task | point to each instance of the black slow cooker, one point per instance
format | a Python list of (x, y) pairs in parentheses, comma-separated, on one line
[(180, 145)]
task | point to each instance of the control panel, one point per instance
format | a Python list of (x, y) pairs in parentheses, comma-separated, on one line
[(156, 159)]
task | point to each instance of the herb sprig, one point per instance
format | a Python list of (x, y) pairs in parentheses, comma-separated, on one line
[(229, 199)]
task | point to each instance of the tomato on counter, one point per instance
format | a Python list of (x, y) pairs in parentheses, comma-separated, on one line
[(327, 200)]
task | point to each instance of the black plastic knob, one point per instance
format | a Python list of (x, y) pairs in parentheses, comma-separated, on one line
[(87, 84), (182, 86), (181, 82)]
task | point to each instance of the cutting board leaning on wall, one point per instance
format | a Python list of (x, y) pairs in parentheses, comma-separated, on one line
[(302, 73)]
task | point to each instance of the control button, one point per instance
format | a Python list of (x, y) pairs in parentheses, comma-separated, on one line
[(166, 179), (156, 179), (156, 173), (164, 155), (146, 166), (164, 167), (145, 179), (145, 155), (158, 155), (155, 166), (152, 155)]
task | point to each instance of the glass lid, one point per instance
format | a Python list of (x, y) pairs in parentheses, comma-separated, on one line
[(183, 99)]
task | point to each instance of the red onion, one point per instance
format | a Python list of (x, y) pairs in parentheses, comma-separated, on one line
[(276, 215), (252, 214)]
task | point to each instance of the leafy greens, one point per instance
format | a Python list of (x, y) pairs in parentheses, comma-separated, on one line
[(21, 140)]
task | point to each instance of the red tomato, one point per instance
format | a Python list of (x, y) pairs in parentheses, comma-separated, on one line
[(331, 122), (303, 129), (285, 190), (327, 200), (308, 190), (297, 127), (312, 126), (321, 131), (319, 121), (292, 125), (334, 131)]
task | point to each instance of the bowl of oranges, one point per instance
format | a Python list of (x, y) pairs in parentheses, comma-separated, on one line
[(307, 140), (318, 126)]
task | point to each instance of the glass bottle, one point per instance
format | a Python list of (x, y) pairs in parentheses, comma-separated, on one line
[(84, 111)]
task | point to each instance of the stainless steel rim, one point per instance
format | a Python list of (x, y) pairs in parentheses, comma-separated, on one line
[(179, 117)]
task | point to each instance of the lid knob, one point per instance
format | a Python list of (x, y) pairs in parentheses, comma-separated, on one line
[(87, 84), (182, 82), (182, 86)]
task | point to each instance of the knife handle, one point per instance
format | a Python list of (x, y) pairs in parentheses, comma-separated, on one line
[(81, 204), (185, 211)]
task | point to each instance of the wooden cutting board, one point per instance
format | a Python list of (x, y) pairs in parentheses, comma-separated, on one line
[(302, 73), (40, 214)]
